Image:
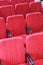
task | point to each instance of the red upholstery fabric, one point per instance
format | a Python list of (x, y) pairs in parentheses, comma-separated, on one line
[(20, 1), (42, 12), (34, 46), (6, 10), (28, 1), (24, 37), (13, 51), (16, 25), (22, 8), (35, 7), (4, 2), (22, 64), (39, 62), (15, 1), (35, 22), (2, 28)]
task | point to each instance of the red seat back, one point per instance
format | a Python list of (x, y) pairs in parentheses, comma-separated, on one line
[(12, 51), (4, 2), (20, 1), (28, 1), (22, 8), (6, 10), (34, 46), (16, 24), (15, 1), (35, 22), (35, 7), (2, 28)]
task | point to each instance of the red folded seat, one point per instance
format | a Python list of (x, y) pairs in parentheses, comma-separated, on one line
[(22, 8), (35, 7), (34, 47), (6, 10), (12, 51), (35, 22), (16, 25)]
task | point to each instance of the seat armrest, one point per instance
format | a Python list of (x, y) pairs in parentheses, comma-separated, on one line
[(29, 29), (0, 62), (8, 33), (29, 58)]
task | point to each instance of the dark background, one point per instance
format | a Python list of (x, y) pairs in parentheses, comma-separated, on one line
[(41, 0)]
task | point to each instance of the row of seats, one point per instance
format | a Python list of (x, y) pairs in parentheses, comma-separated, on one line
[(13, 2), (22, 8), (12, 51), (16, 25), (20, 1)]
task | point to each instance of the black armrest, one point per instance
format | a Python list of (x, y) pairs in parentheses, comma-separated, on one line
[(30, 59), (29, 29), (8, 33), (0, 62)]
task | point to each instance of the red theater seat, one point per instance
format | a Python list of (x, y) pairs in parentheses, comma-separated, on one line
[(2, 28), (13, 52), (35, 22), (34, 47), (16, 25), (35, 7), (20, 1), (6, 10), (22, 8)]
